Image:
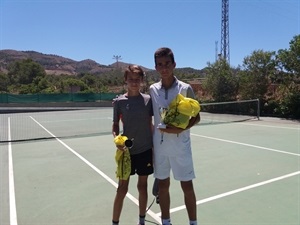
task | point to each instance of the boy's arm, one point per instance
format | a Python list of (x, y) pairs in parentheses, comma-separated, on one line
[(176, 130), (115, 129), (115, 132), (193, 121), (151, 124)]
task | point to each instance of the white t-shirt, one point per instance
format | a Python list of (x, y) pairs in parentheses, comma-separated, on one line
[(164, 143)]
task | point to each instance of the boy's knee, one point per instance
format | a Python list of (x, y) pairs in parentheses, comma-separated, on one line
[(187, 186), (122, 189)]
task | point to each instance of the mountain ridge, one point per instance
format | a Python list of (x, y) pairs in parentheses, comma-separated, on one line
[(57, 65)]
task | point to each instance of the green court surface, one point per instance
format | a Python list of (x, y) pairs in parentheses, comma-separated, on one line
[(248, 173)]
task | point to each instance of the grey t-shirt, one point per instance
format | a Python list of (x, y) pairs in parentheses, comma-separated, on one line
[(135, 113)]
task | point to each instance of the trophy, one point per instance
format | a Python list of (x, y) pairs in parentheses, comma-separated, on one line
[(162, 113)]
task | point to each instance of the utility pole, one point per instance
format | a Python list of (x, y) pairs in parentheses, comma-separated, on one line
[(117, 58), (225, 31)]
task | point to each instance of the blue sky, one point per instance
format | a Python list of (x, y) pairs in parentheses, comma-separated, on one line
[(134, 29)]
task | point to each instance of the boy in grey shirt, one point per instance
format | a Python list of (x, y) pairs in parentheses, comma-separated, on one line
[(134, 110)]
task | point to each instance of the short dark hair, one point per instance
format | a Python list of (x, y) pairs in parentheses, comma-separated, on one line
[(134, 69), (163, 52)]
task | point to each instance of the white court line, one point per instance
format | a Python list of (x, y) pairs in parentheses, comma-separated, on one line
[(12, 197), (131, 197), (248, 145), (269, 126), (71, 120), (236, 191)]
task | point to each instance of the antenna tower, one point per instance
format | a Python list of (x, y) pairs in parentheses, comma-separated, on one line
[(117, 58), (225, 31)]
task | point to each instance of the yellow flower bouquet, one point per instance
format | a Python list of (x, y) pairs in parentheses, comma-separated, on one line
[(180, 110), (122, 158)]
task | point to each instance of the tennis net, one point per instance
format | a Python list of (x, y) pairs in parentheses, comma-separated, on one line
[(20, 126), (81, 122), (227, 112)]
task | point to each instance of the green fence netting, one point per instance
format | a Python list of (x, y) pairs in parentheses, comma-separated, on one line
[(46, 98)]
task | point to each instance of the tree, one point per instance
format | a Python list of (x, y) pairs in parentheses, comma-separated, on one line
[(254, 79), (89, 80), (3, 82), (221, 83), (289, 59), (25, 77), (25, 72), (288, 62), (70, 83)]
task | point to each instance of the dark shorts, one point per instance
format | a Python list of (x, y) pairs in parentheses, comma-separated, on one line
[(141, 164)]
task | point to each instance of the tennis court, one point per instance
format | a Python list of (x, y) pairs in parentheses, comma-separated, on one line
[(58, 168)]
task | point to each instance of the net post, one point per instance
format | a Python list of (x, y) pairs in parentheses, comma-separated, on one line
[(258, 109)]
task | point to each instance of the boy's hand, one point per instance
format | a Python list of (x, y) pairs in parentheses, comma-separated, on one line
[(121, 147), (171, 129)]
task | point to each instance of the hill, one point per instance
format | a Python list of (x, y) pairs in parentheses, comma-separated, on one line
[(57, 65)]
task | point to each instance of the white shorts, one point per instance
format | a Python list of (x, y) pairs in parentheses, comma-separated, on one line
[(182, 167)]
